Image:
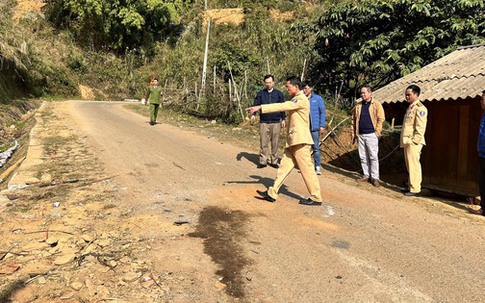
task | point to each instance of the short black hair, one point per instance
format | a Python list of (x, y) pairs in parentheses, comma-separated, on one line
[(367, 87), (306, 83), (415, 89), (268, 76), (294, 80)]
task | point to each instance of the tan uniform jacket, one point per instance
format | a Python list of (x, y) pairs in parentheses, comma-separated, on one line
[(414, 124), (376, 115), (298, 126)]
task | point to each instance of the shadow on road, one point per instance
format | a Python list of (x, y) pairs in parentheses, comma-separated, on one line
[(253, 158), (267, 182), (396, 183)]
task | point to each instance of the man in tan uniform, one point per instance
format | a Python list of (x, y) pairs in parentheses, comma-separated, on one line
[(412, 138), (298, 144)]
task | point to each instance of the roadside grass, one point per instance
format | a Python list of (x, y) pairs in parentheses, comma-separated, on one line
[(17, 207)]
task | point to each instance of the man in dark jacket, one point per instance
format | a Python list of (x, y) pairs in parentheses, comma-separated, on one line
[(269, 124), (481, 160), (317, 122)]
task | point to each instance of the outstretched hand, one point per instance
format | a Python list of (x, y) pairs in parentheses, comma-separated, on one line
[(251, 110)]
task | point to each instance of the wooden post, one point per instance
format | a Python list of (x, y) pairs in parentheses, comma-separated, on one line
[(392, 123), (198, 103), (303, 70), (230, 92), (214, 83), (205, 4), (246, 85), (237, 94), (204, 68)]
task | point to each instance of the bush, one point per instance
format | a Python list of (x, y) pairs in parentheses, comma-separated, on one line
[(77, 63)]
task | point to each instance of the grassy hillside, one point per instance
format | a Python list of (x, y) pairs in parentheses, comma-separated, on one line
[(246, 41)]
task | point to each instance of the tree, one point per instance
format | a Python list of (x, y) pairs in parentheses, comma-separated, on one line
[(376, 42), (117, 24)]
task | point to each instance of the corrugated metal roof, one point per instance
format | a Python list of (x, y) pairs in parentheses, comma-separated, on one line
[(458, 75)]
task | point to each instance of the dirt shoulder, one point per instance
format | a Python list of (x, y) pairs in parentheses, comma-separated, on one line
[(61, 232)]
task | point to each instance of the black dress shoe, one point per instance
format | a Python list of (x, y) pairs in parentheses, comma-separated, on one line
[(261, 166), (410, 194), (276, 165), (478, 212), (266, 196), (310, 202), (405, 190)]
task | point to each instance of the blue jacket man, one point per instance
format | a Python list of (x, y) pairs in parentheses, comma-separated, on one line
[(317, 122), (269, 124), (481, 160)]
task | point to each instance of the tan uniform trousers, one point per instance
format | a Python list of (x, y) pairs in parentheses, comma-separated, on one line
[(297, 155), (412, 153), (269, 134)]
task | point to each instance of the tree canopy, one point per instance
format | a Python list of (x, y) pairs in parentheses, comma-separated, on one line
[(376, 42), (117, 24)]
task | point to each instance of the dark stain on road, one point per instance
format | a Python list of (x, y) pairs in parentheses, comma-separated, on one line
[(341, 244), (222, 231)]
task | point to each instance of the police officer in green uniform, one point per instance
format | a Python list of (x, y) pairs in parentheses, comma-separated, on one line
[(154, 92), (412, 137)]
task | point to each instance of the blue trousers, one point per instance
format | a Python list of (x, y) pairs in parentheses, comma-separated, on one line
[(317, 154), (481, 180)]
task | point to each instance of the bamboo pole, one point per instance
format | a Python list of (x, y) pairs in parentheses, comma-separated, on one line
[(303, 70), (230, 92), (332, 129), (214, 82), (237, 94), (246, 84), (204, 68), (198, 103)]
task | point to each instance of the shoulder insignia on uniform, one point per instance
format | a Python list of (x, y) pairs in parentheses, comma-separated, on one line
[(419, 104), (294, 100), (422, 113)]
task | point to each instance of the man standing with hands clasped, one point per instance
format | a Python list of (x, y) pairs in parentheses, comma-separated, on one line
[(298, 144), (270, 124), (367, 120), (412, 138)]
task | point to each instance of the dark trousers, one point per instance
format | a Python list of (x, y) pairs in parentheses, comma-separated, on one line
[(481, 180), (153, 112)]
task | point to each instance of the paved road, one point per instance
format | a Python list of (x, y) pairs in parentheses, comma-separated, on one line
[(363, 245)]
